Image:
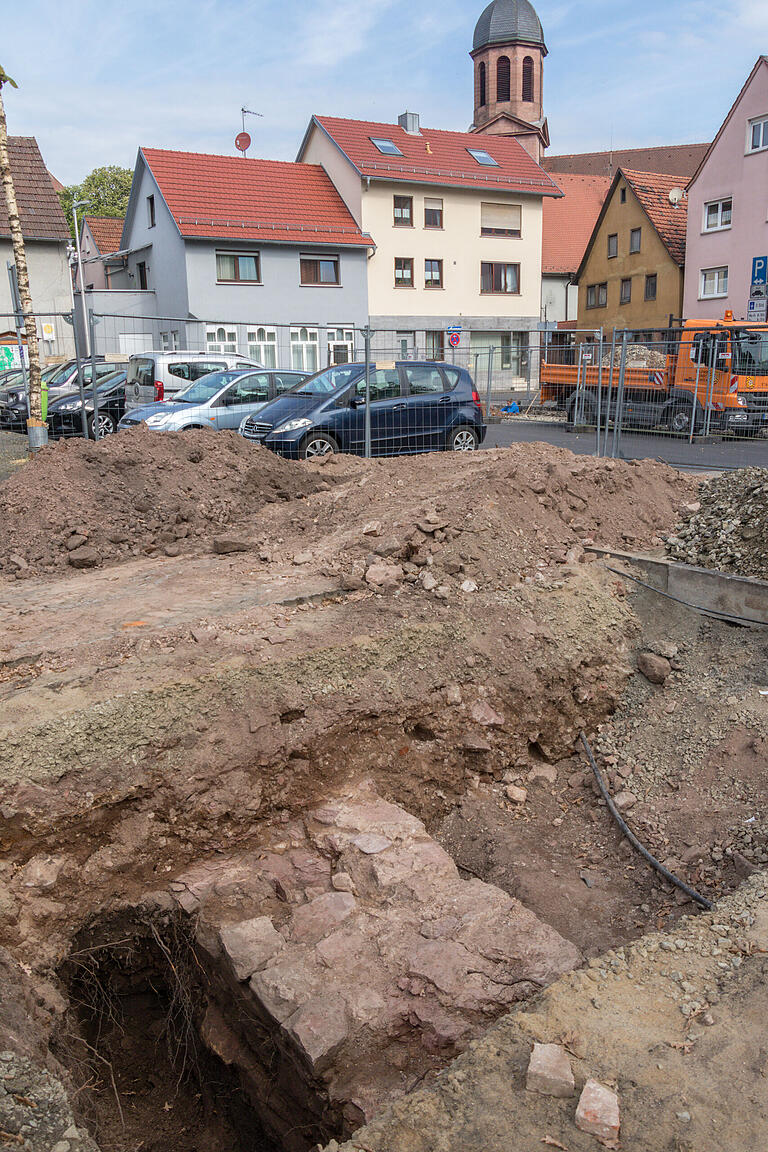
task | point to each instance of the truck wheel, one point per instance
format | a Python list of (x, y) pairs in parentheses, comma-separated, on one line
[(679, 420), (587, 410)]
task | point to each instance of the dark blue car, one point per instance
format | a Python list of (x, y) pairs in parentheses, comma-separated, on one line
[(414, 407)]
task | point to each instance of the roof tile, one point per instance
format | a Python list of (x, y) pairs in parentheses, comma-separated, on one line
[(652, 190), (106, 231), (680, 160), (39, 208), (568, 223)]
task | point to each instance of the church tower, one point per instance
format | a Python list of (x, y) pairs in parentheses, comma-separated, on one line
[(508, 51)]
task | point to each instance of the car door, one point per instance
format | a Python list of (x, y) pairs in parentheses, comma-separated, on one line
[(248, 394), (282, 382), (432, 406), (387, 412)]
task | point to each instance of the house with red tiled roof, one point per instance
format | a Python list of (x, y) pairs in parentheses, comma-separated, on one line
[(264, 254), (99, 240), (631, 274), (567, 226), (457, 222)]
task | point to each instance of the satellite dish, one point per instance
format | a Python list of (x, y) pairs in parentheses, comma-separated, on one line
[(675, 196), (242, 142)]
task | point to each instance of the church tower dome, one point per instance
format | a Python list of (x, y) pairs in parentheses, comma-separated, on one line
[(508, 51)]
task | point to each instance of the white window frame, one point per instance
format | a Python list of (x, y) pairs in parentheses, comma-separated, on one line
[(719, 227), (703, 281), (337, 336), (751, 124), (221, 338), (262, 345), (305, 341)]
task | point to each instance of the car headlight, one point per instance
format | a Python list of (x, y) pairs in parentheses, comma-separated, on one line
[(70, 406), (292, 426), (742, 401), (158, 420)]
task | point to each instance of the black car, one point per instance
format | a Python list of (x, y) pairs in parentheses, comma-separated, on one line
[(65, 412), (13, 398)]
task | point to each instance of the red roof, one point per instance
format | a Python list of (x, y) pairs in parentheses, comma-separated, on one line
[(230, 197), (568, 223), (106, 232), (39, 208), (438, 157), (679, 160), (652, 190)]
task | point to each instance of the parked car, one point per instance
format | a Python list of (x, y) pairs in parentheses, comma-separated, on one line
[(61, 380), (156, 376), (65, 413), (13, 398), (415, 407), (218, 400)]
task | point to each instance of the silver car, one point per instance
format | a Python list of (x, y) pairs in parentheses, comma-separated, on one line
[(156, 376), (218, 400)]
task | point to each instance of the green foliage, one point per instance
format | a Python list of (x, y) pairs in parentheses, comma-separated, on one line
[(106, 190), (6, 79)]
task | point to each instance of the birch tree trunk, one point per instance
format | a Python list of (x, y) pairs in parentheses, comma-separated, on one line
[(20, 257)]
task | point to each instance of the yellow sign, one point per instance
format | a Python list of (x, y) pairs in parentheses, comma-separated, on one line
[(49, 332)]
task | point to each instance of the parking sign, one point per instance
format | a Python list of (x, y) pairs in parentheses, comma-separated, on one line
[(757, 290)]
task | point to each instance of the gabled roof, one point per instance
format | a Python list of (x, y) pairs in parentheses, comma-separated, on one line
[(232, 198), (679, 160), (538, 128), (568, 222), (760, 62), (106, 232), (39, 208), (436, 157)]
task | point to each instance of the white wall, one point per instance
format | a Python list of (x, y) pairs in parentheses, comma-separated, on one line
[(320, 149), (48, 277), (559, 299)]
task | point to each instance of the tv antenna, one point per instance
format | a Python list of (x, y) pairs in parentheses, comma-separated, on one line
[(243, 140)]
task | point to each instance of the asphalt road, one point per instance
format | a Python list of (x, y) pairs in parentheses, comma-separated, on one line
[(636, 445)]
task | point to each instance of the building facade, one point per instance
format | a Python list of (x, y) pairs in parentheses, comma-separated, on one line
[(728, 211), (100, 238), (568, 223)]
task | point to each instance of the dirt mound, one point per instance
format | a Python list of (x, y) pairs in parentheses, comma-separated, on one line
[(83, 504), (727, 527)]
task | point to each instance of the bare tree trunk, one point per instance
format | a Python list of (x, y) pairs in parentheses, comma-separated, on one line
[(20, 256)]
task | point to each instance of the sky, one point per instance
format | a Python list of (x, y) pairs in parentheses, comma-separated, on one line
[(97, 80)]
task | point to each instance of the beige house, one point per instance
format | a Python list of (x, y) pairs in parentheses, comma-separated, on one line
[(631, 275)]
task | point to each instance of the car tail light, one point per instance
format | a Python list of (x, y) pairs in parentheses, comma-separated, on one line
[(159, 390), (476, 398)]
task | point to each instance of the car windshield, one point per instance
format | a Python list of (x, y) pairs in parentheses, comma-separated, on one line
[(328, 381), (206, 387), (750, 352), (60, 376)]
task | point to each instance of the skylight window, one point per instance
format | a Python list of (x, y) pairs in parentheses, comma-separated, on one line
[(386, 147), (483, 157)]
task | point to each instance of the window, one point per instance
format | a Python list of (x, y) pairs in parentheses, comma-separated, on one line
[(635, 237), (304, 349), (500, 219), (403, 211), (386, 147), (262, 346), (251, 389), (433, 273), (502, 79), (407, 343), (717, 215), (625, 293), (169, 341), (220, 339), (613, 245), (504, 278), (597, 295), (341, 343), (482, 94), (384, 384), (319, 270), (284, 381), (623, 196), (141, 272), (435, 344), (403, 272), (650, 287), (433, 212), (423, 380), (714, 282), (238, 268), (757, 134), (151, 211), (482, 157), (528, 80)]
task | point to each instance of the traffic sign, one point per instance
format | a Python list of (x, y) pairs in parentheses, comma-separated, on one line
[(454, 339), (759, 283), (757, 311)]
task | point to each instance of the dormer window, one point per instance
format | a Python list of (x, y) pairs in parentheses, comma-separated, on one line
[(483, 157), (386, 147)]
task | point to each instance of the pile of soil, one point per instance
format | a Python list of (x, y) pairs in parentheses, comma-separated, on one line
[(638, 356), (82, 503), (727, 528)]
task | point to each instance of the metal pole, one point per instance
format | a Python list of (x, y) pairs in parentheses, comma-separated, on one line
[(94, 381), (528, 373), (599, 388), (610, 393), (711, 387), (78, 361), (18, 320), (577, 405), (616, 446), (75, 205), (695, 402), (367, 336), (491, 352)]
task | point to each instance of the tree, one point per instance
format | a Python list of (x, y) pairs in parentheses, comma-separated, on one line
[(35, 425), (106, 189)]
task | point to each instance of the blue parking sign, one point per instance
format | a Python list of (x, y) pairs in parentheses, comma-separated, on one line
[(759, 269)]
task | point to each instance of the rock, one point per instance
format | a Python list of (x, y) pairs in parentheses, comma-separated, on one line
[(549, 1071), (624, 801), (172, 549), (515, 794), (350, 583), (85, 557), (343, 882), (598, 1113), (320, 916), (543, 774), (222, 545), (18, 561), (654, 668), (373, 528), (473, 743), (302, 557), (75, 542), (743, 867), (469, 586), (428, 582), (250, 944), (42, 871), (320, 1027), (482, 713), (384, 576), (370, 844)]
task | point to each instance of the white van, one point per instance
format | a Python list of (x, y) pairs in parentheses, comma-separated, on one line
[(155, 376)]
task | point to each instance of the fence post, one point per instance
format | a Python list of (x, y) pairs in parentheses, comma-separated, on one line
[(491, 352), (94, 381), (695, 402), (599, 388), (620, 397), (711, 387), (610, 393), (79, 362), (367, 337), (528, 372)]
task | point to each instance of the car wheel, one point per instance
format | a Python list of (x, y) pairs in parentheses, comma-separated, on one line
[(317, 444), (679, 420), (106, 425), (463, 439)]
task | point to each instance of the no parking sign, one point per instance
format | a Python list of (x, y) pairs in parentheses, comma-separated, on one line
[(454, 336)]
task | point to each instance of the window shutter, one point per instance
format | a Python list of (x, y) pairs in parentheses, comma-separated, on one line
[(502, 217)]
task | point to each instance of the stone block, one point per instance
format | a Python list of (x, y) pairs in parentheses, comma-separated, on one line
[(598, 1113), (320, 1027), (320, 916), (250, 944), (654, 668), (550, 1072)]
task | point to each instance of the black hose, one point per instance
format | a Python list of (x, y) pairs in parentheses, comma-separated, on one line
[(654, 863), (712, 613)]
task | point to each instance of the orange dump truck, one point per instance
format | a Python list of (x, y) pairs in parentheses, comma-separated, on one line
[(714, 375)]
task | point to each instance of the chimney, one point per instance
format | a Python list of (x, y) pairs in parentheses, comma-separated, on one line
[(410, 122)]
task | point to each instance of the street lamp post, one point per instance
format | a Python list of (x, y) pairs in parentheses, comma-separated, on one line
[(75, 205)]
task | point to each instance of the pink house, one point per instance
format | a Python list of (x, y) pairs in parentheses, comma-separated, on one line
[(728, 209)]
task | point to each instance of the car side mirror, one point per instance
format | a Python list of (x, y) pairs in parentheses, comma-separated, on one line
[(357, 402)]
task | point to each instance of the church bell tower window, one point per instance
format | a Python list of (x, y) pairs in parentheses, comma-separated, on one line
[(528, 80), (502, 80), (483, 99)]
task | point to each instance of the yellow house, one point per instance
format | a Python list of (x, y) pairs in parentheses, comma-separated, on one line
[(456, 219), (632, 272)]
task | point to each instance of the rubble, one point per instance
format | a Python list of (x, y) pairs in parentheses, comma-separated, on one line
[(598, 1113), (550, 1072), (727, 528)]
